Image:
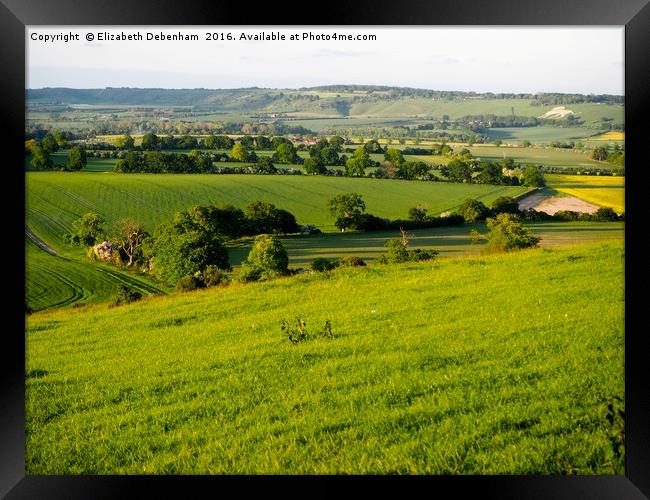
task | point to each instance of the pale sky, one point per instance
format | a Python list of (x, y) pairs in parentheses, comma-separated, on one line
[(492, 59)]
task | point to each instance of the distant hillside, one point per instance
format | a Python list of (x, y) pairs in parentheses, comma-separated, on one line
[(260, 96), (335, 101)]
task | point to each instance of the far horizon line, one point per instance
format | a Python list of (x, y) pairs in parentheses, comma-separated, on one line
[(330, 85)]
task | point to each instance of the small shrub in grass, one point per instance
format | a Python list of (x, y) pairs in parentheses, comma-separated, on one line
[(351, 261), (420, 254), (125, 295), (615, 415), (189, 283), (295, 332), (321, 264), (327, 330)]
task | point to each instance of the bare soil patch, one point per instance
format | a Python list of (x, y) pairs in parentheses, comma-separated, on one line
[(543, 202)]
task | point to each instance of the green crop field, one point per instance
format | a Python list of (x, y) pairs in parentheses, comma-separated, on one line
[(545, 134), (498, 364), (56, 199), (551, 157)]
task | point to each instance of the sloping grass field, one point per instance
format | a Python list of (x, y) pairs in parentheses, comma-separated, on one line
[(58, 281), (550, 157), (492, 365), (55, 199), (603, 190)]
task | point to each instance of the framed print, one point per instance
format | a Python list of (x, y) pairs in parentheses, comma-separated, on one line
[(386, 249)]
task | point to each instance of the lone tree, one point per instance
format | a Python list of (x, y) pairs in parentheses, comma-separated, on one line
[(266, 218), (129, 236), (394, 156), (49, 144), (458, 170), (240, 152), (76, 158), (267, 259), (347, 210), (506, 233), (185, 245), (87, 230), (356, 166), (314, 166), (286, 154), (150, 142)]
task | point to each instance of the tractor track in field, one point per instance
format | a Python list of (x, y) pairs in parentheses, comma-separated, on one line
[(39, 242)]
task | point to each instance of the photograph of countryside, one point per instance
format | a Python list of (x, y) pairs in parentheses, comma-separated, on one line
[(391, 255)]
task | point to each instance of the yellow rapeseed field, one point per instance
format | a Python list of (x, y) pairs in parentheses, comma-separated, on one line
[(603, 190), (612, 135)]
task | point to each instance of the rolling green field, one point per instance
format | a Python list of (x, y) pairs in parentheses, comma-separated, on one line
[(497, 364), (606, 191), (543, 134), (55, 199), (550, 157)]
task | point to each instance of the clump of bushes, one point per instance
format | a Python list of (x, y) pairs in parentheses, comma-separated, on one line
[(351, 261), (125, 295), (213, 276), (321, 264), (189, 283), (398, 251), (209, 277)]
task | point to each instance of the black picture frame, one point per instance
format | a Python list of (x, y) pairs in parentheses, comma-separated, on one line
[(633, 14)]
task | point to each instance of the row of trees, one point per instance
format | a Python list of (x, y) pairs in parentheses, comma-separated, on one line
[(465, 168), (349, 212), (153, 142)]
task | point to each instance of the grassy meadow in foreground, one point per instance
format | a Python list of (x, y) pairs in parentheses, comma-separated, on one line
[(493, 364)]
